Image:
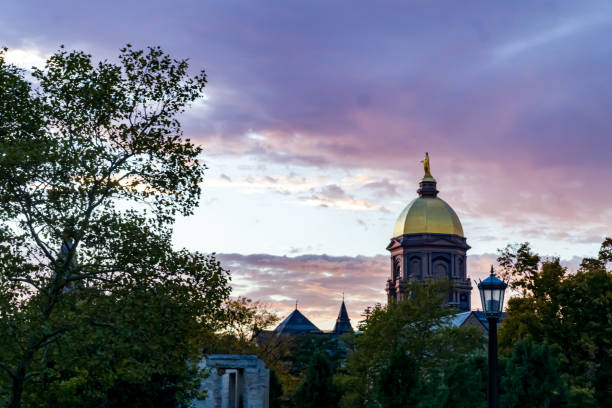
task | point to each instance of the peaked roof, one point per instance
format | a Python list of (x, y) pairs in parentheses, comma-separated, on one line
[(460, 318), (296, 323), (343, 323)]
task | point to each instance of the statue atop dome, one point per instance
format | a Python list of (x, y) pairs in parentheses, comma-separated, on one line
[(425, 162), (427, 176)]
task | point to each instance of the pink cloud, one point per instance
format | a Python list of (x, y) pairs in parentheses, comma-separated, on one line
[(317, 282)]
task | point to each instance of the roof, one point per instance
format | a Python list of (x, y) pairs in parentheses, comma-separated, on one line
[(483, 318), (425, 215), (296, 323), (460, 318), (343, 323)]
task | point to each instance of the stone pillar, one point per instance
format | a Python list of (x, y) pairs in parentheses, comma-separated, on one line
[(244, 384), (232, 391), (241, 397)]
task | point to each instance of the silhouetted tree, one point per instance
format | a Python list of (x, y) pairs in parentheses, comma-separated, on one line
[(398, 385), (532, 379), (466, 383), (318, 389), (569, 312)]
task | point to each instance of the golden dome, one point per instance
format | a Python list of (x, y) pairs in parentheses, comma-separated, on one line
[(428, 215)]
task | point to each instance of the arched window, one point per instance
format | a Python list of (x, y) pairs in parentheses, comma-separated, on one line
[(459, 267), (396, 267), (440, 269), (415, 267)]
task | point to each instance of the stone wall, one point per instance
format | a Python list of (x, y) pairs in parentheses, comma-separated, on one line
[(234, 381)]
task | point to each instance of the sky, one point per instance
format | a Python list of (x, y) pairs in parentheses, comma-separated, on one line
[(317, 114)]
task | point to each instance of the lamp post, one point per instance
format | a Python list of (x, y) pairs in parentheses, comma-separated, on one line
[(492, 297)]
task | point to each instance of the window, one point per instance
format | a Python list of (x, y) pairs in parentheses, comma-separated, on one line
[(396, 267), (415, 267), (440, 269)]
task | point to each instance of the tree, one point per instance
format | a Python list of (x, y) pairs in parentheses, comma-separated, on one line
[(569, 312), (244, 322), (318, 389), (397, 385), (532, 378), (93, 171), (276, 390), (465, 383), (519, 266), (418, 327)]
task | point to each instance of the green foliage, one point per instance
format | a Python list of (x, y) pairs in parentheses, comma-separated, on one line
[(94, 300), (244, 322), (570, 312), (417, 327), (532, 378), (519, 266), (276, 390), (318, 389), (465, 383), (398, 382)]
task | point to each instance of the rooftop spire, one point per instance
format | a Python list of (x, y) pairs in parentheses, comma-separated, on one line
[(343, 322), (427, 185)]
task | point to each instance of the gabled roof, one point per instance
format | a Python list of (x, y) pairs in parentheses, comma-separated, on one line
[(460, 319), (483, 318), (343, 323), (296, 323)]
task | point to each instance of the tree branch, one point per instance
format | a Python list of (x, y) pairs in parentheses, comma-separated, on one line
[(7, 369)]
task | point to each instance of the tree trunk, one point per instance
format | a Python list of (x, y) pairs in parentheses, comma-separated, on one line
[(16, 393), (19, 381)]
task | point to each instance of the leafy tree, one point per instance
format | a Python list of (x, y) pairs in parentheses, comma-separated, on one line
[(420, 328), (276, 391), (570, 312), (532, 378), (398, 383), (465, 383), (93, 171), (519, 266), (318, 389), (244, 323)]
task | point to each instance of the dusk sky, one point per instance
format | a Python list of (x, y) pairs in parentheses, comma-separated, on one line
[(317, 114)]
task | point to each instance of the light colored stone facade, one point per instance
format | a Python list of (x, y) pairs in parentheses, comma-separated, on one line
[(235, 381)]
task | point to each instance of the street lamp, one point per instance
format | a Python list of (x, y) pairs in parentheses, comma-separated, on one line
[(492, 297)]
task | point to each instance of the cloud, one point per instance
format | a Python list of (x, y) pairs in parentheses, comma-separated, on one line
[(333, 195), (511, 101), (374, 89), (25, 58), (382, 188), (317, 282), (545, 37), (332, 192)]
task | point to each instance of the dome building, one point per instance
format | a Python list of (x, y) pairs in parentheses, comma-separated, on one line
[(428, 243)]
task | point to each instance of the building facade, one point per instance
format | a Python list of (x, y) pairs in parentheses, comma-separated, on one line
[(428, 243)]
